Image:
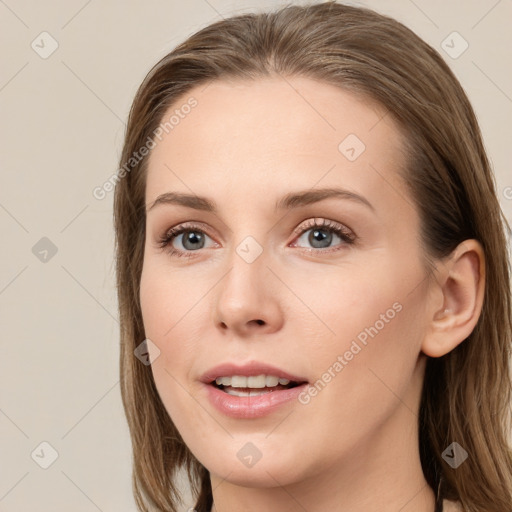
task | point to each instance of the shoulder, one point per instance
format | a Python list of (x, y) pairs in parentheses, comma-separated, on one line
[(452, 506)]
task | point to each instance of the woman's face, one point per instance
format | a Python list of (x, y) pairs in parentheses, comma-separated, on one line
[(252, 288)]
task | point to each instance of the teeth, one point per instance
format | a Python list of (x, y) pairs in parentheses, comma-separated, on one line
[(256, 381), (238, 381), (271, 381)]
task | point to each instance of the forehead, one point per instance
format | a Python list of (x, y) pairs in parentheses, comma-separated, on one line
[(271, 134)]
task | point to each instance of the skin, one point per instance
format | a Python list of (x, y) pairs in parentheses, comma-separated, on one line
[(354, 446)]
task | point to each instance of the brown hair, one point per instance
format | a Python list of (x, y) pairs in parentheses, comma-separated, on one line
[(466, 395)]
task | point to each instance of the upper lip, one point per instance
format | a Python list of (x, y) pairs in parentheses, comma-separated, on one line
[(249, 369)]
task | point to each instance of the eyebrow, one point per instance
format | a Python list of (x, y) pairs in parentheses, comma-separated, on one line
[(288, 202)]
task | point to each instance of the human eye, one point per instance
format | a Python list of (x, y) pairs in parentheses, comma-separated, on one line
[(192, 235), (321, 236)]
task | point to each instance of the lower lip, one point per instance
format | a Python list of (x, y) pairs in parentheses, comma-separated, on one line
[(251, 406)]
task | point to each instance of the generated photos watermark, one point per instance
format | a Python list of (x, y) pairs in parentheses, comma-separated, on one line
[(165, 127), (357, 345)]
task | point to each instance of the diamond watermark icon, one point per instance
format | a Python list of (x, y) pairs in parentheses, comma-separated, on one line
[(249, 249), (147, 352), (44, 250), (44, 45), (44, 455), (455, 455), (351, 147), (249, 454), (454, 45)]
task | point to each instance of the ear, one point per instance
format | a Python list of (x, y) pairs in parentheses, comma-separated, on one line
[(456, 300)]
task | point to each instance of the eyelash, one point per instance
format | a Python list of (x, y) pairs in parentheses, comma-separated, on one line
[(344, 233)]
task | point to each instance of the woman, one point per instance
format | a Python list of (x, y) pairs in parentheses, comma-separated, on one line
[(312, 274)]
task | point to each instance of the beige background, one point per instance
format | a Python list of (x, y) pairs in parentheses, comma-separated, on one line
[(62, 128)]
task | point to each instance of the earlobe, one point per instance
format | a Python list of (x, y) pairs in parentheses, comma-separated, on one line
[(461, 281)]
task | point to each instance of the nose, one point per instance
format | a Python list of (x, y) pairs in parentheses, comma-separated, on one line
[(248, 299)]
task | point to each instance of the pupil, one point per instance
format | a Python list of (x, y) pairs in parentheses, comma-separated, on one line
[(323, 239), (193, 238)]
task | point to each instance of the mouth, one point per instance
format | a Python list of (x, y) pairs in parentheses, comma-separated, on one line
[(254, 385), (252, 390)]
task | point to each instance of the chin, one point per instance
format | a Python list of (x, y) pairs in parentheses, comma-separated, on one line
[(261, 477), (236, 466)]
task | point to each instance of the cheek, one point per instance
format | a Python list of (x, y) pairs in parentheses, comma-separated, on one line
[(355, 302), (364, 335), (168, 298), (173, 310), (163, 303)]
